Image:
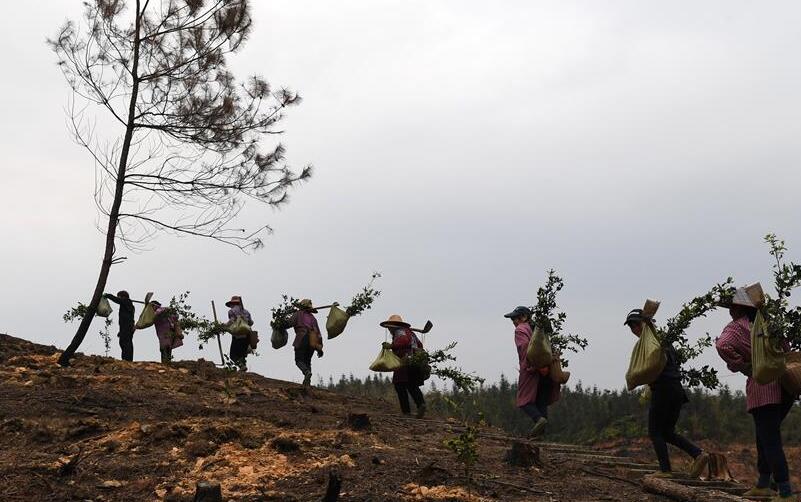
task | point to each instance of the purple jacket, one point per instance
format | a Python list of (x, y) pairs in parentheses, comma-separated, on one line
[(239, 311), (304, 323), (165, 329)]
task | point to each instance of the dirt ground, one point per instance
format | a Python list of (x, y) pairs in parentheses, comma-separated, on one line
[(741, 457), (108, 430)]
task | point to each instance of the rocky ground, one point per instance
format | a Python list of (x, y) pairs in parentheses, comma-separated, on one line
[(109, 430)]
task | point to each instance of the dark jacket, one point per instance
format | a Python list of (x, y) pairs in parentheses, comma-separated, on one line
[(126, 313), (667, 387), (671, 375)]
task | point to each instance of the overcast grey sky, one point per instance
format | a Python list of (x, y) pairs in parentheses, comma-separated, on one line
[(461, 148)]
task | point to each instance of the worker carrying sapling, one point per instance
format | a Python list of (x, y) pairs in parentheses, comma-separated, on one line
[(768, 404), (127, 311), (168, 331), (408, 378), (535, 388), (239, 325), (542, 346), (308, 339), (657, 364)]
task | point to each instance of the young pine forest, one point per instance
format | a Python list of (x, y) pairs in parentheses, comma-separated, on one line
[(584, 414)]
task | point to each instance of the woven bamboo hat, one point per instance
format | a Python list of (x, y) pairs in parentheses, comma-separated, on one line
[(395, 321), (742, 299), (235, 300)]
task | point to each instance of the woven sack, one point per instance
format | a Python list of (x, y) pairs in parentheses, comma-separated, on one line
[(648, 359), (767, 357), (386, 360)]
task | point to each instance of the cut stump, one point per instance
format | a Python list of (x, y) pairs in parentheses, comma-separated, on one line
[(334, 486), (208, 492), (358, 421), (523, 455)]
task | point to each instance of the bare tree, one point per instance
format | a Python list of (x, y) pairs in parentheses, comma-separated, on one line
[(178, 145)]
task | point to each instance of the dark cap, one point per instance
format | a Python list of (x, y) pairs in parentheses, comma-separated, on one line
[(634, 316), (518, 312)]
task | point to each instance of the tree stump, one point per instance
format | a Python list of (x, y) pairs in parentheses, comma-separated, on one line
[(334, 486), (719, 468), (358, 421), (208, 492), (523, 455), (432, 475)]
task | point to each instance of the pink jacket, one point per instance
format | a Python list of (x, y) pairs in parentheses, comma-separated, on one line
[(734, 347), (528, 378), (165, 329)]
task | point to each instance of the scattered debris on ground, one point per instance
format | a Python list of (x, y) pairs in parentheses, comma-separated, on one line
[(108, 430)]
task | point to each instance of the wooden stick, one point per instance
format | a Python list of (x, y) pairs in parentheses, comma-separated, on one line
[(323, 307), (593, 472), (512, 485), (219, 343)]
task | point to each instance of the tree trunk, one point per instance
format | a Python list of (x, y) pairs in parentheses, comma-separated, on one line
[(113, 218), (685, 493)]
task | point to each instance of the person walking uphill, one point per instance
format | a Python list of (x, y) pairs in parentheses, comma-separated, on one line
[(667, 398), (240, 345), (407, 380), (768, 404), (167, 331), (308, 339), (126, 332), (535, 389)]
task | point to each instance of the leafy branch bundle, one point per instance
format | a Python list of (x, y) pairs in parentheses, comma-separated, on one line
[(546, 315), (436, 360), (192, 322), (284, 311), (79, 312), (674, 333), (361, 302), (782, 319), (365, 298)]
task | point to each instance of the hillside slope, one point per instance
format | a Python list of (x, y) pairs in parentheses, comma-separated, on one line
[(112, 430)]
